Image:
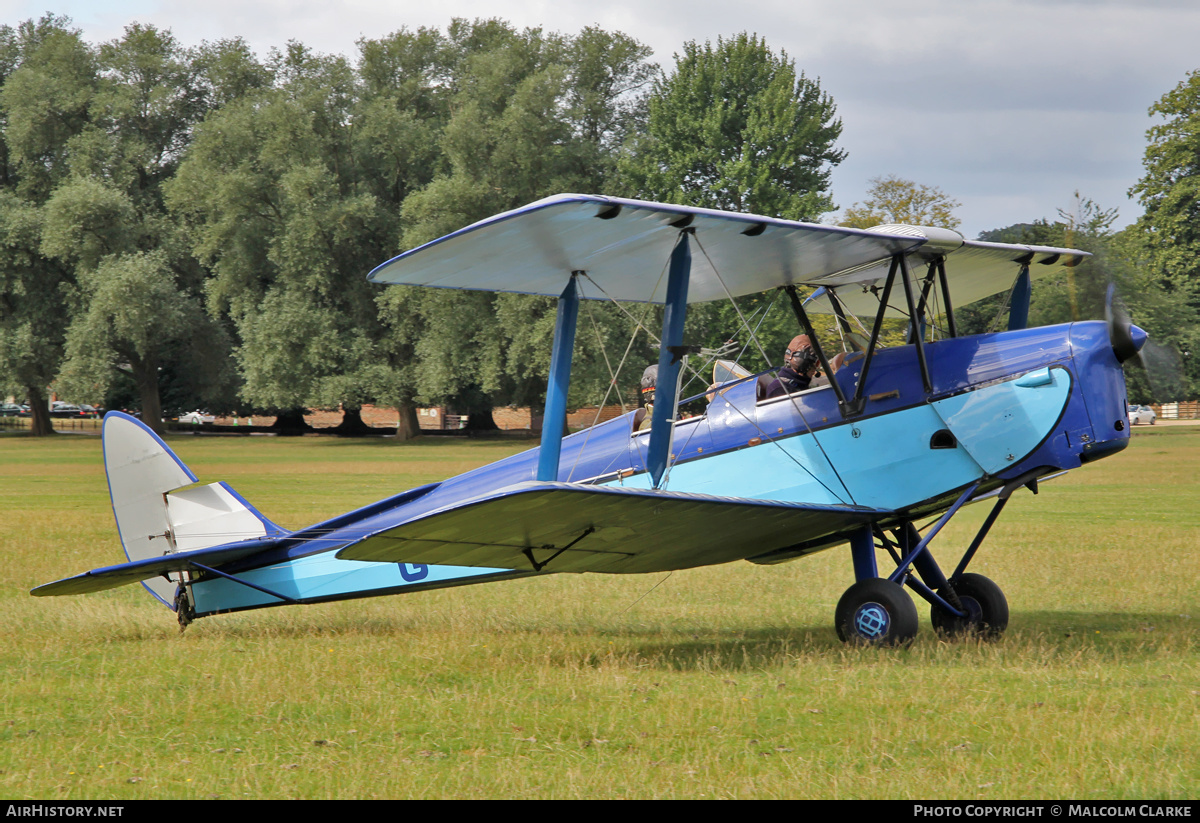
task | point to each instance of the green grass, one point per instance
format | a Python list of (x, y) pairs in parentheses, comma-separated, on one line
[(720, 682)]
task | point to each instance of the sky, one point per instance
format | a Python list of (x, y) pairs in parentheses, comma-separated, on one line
[(1008, 106)]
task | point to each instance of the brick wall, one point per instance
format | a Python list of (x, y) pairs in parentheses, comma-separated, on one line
[(382, 416), (509, 418)]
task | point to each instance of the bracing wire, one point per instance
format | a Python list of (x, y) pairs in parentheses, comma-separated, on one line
[(640, 324), (766, 310), (795, 405), (611, 385), (647, 593), (721, 280), (994, 325), (612, 376)]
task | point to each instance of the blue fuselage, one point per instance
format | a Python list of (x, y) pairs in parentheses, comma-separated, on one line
[(1000, 406)]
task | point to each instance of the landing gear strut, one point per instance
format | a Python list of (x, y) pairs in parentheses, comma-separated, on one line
[(877, 611)]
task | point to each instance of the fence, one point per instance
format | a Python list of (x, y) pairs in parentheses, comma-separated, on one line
[(1179, 410), (59, 423), (438, 419)]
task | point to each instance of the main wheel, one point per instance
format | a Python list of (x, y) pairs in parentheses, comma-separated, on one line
[(986, 607), (876, 612)]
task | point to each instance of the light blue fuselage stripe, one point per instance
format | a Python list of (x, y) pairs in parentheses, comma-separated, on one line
[(885, 461), (321, 576), (998, 425)]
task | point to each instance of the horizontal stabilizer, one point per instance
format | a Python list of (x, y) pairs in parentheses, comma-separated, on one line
[(210, 515), (110, 577), (562, 527)]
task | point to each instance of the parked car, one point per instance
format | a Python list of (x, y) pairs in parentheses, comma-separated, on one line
[(60, 409), (197, 418), (1141, 415), (11, 410)]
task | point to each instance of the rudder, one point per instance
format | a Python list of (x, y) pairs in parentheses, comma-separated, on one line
[(157, 513)]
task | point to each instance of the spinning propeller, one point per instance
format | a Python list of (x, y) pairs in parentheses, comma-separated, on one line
[(1127, 339), (1158, 366)]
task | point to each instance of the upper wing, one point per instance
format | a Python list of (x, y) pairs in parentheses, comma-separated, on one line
[(564, 527), (974, 269), (623, 245)]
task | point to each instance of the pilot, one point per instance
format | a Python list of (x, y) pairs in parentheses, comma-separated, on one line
[(799, 365), (649, 379)]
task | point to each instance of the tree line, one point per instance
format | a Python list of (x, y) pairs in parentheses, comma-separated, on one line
[(186, 227)]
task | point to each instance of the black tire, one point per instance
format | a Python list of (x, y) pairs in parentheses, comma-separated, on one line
[(876, 612), (987, 610)]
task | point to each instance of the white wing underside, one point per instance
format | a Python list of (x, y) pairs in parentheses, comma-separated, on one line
[(623, 246)]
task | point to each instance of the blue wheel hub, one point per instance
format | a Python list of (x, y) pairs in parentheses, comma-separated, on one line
[(973, 609), (872, 621)]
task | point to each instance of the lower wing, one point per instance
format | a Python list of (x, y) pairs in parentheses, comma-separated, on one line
[(561, 527)]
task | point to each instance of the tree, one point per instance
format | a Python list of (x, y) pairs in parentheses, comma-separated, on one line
[(1167, 239), (46, 100), (1170, 189), (34, 294), (531, 115), (289, 197), (735, 127), (48, 77), (892, 199), (108, 221), (136, 320), (89, 137)]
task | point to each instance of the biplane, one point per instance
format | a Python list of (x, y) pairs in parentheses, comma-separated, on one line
[(893, 436)]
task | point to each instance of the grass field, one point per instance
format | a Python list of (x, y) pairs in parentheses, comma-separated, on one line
[(721, 682)]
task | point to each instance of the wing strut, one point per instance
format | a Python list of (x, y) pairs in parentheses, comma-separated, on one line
[(802, 316), (941, 269), (914, 323), (554, 421), (662, 421), (1018, 309), (926, 286), (855, 405)]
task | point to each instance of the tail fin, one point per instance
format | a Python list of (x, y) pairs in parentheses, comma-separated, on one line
[(155, 511)]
